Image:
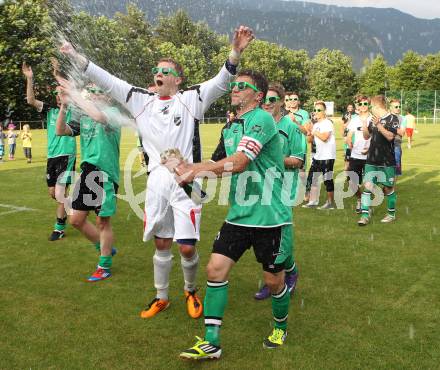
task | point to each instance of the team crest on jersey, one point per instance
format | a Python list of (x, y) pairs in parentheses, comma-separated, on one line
[(165, 110), (256, 128), (177, 120)]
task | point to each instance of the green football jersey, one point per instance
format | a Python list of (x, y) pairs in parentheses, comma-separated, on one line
[(255, 194), (100, 142), (294, 145), (58, 146)]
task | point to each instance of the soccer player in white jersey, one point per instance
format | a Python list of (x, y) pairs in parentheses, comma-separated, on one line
[(169, 119)]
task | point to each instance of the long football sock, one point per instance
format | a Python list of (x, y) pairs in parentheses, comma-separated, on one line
[(216, 298), (280, 308), (365, 203), (391, 203), (189, 268), (162, 261)]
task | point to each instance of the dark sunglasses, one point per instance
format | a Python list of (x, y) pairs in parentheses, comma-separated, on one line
[(242, 85), (317, 110), (291, 99), (396, 106), (165, 71)]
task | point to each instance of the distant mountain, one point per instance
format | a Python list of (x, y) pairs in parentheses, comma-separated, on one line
[(359, 32)]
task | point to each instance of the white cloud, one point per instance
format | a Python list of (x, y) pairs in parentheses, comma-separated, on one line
[(421, 8)]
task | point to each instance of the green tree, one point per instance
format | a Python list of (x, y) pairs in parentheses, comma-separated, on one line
[(374, 80), (180, 30), (332, 78), (123, 45), (431, 75), (24, 36), (408, 72), (191, 59)]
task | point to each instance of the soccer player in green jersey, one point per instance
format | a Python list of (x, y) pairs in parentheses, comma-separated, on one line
[(380, 168), (299, 116), (100, 137), (61, 153), (250, 148), (294, 150)]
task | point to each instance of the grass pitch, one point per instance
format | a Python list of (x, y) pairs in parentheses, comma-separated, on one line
[(366, 297)]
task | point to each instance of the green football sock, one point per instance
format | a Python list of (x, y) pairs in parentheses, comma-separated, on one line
[(60, 225), (280, 308), (105, 262), (366, 203), (391, 203), (290, 265), (216, 298), (98, 246)]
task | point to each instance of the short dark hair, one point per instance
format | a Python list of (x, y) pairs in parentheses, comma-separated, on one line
[(408, 110), (177, 66), (361, 97), (278, 88), (293, 93), (258, 79)]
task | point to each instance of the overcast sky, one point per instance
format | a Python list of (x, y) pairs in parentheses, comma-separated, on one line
[(419, 8)]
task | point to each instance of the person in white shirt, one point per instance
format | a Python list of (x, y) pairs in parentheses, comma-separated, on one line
[(359, 146), (324, 159), (169, 119)]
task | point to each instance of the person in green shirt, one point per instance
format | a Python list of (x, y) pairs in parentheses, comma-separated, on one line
[(294, 150), (250, 148), (96, 191), (61, 153)]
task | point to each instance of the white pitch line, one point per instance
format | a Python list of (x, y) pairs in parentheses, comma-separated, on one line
[(14, 209)]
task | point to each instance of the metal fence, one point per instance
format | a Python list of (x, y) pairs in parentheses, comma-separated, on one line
[(210, 120), (425, 104)]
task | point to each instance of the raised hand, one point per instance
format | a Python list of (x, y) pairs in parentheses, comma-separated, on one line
[(27, 71), (242, 38), (68, 50)]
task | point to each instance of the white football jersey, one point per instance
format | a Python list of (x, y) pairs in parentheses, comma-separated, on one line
[(165, 123)]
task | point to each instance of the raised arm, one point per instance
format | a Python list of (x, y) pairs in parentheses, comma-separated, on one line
[(213, 89), (115, 87), (86, 106), (30, 95), (61, 128)]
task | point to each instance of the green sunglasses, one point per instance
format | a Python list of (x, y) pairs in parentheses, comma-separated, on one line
[(165, 71), (365, 104), (396, 106), (95, 90), (54, 93), (242, 85), (291, 99), (271, 99)]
